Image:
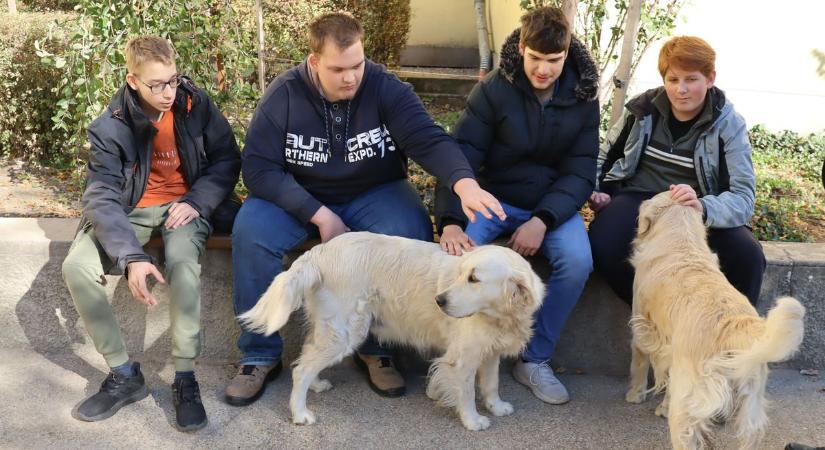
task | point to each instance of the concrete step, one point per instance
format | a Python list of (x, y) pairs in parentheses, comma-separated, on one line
[(39, 391), (36, 311)]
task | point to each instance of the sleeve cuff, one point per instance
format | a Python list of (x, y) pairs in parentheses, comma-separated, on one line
[(548, 219)]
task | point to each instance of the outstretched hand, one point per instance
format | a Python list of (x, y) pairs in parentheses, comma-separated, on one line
[(476, 200), (138, 272)]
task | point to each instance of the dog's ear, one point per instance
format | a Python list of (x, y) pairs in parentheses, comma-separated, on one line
[(644, 225), (526, 290)]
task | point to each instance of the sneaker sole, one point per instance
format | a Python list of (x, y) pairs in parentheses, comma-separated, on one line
[(389, 393), (539, 394), (244, 401), (140, 394), (191, 428)]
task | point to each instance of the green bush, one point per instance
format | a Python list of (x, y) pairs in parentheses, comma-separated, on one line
[(27, 89), (790, 202)]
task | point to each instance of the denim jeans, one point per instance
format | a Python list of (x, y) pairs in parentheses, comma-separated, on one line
[(264, 233), (568, 250)]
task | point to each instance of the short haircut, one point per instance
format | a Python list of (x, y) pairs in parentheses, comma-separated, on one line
[(687, 53), (143, 49), (545, 30), (342, 27)]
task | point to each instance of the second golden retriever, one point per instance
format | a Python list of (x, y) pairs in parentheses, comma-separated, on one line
[(708, 346), (475, 308)]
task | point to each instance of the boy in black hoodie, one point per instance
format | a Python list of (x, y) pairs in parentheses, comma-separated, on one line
[(326, 153)]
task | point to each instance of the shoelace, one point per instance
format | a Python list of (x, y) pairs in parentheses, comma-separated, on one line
[(112, 383), (188, 392), (248, 369), (384, 361), (545, 373)]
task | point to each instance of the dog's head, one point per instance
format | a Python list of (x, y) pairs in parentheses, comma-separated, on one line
[(495, 281), (661, 216)]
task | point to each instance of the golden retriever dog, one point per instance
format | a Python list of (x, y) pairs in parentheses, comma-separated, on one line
[(708, 346), (475, 308)]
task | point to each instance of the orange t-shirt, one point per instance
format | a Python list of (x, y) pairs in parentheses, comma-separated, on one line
[(166, 181)]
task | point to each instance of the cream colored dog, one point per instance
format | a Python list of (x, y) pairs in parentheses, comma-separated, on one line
[(708, 346), (475, 308)]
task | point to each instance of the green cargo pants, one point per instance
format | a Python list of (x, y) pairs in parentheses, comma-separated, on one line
[(87, 262)]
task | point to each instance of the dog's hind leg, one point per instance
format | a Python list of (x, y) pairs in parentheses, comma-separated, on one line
[(328, 346), (488, 384), (750, 416), (639, 368), (686, 430)]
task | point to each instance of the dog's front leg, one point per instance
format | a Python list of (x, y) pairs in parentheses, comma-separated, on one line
[(488, 383), (639, 368)]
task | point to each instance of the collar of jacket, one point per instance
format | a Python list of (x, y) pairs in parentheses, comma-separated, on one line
[(644, 104), (125, 106), (578, 57)]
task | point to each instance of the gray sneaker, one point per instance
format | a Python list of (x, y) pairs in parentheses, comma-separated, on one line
[(540, 379)]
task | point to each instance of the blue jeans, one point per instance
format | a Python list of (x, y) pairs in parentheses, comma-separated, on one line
[(264, 233), (568, 250)]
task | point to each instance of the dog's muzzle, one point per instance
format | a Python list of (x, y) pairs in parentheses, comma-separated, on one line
[(441, 300)]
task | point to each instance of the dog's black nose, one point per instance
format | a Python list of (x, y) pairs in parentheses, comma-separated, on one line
[(440, 300)]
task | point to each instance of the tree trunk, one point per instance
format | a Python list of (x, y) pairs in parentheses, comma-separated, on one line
[(259, 14), (620, 80), (569, 8), (483, 45), (12, 6)]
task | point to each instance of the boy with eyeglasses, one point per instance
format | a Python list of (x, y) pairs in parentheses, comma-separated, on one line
[(162, 160)]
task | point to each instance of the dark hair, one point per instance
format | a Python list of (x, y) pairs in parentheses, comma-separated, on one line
[(545, 30), (341, 26)]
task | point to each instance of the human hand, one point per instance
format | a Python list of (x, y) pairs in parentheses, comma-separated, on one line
[(180, 214), (138, 271), (528, 237), (455, 241), (474, 199), (598, 200), (685, 195), (328, 223)]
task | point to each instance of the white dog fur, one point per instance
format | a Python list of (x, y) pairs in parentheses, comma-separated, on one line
[(708, 346), (360, 282)]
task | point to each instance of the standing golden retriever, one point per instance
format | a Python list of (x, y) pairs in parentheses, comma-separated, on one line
[(475, 308), (707, 344)]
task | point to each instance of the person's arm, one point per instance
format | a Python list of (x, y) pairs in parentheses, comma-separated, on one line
[(428, 145), (612, 149), (474, 132), (106, 180), (264, 168), (219, 177), (733, 207), (577, 175)]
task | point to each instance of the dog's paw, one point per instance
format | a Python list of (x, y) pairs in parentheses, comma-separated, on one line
[(305, 417), (476, 423), (499, 408), (661, 410), (635, 396), (320, 385)]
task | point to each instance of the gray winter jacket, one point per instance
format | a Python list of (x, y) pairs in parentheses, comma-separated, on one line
[(722, 158)]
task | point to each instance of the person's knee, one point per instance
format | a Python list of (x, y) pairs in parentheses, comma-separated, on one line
[(74, 273), (409, 226)]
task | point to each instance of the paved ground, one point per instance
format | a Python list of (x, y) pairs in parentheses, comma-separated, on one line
[(37, 393)]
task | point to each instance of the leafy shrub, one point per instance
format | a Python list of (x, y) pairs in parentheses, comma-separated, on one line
[(27, 93), (790, 202), (386, 27)]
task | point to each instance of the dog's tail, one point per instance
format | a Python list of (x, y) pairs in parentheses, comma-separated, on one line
[(284, 295), (784, 329)]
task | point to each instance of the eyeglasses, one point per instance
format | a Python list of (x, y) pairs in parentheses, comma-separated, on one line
[(160, 87)]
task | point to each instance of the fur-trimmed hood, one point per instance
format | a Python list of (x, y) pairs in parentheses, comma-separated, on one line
[(587, 86)]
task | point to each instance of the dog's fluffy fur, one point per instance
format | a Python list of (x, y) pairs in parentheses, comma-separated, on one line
[(708, 346), (475, 308)]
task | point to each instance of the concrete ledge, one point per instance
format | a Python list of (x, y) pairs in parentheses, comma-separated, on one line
[(37, 312)]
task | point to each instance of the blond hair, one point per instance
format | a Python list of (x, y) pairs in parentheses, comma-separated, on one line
[(143, 49)]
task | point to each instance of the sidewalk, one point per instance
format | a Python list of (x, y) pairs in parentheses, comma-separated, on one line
[(38, 392)]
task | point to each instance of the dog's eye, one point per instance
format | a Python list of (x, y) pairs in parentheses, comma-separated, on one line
[(472, 278)]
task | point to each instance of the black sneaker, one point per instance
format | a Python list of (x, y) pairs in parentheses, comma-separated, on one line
[(189, 412), (116, 392)]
